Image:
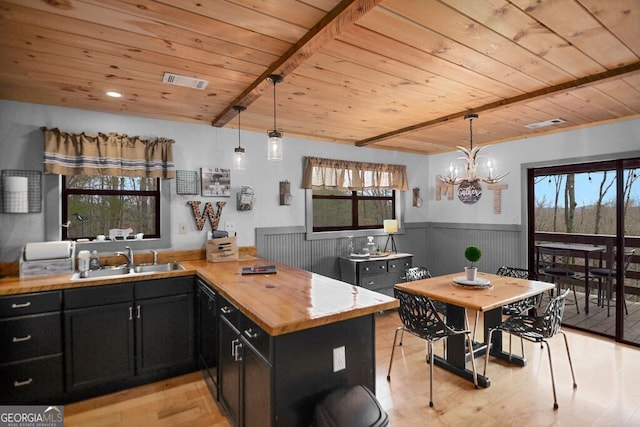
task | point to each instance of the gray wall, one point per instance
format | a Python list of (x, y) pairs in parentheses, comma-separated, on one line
[(438, 246)]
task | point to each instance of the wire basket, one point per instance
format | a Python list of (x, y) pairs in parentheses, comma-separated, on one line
[(34, 190)]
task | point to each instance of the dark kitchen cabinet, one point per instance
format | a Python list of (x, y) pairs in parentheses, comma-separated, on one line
[(127, 334), (31, 348), (245, 371), (376, 274), (207, 338)]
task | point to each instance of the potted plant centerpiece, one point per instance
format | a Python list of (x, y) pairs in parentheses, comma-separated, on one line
[(473, 255)]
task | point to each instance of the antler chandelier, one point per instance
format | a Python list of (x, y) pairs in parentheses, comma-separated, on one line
[(471, 157)]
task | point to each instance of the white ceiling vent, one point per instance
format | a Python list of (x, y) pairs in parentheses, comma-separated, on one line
[(184, 81), (544, 124)]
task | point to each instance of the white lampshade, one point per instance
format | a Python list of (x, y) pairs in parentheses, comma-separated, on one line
[(390, 225)]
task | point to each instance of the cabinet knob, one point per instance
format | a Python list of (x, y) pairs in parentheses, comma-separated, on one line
[(23, 305), (22, 383), (225, 310), (250, 333), (22, 339)]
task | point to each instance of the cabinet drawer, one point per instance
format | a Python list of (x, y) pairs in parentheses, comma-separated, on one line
[(30, 336), (164, 287), (40, 302), (397, 267), (257, 337), (375, 282), (229, 312), (372, 268), (98, 295), (32, 381)]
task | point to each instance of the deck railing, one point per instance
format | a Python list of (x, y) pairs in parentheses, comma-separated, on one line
[(632, 277)]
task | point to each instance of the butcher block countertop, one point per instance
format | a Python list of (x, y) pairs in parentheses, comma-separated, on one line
[(287, 301)]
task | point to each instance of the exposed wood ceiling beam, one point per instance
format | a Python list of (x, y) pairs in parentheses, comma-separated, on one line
[(504, 102), (324, 32)]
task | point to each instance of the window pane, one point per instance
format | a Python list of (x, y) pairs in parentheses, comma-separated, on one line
[(101, 213), (373, 212), (332, 213), (576, 202)]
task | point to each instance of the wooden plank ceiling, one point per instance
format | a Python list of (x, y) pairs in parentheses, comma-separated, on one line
[(390, 74)]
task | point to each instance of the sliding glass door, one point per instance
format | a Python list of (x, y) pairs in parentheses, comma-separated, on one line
[(590, 214)]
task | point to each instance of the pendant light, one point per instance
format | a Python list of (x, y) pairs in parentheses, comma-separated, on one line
[(274, 146), (238, 152)]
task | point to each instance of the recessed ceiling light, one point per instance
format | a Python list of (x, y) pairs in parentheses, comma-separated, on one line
[(114, 94), (545, 123)]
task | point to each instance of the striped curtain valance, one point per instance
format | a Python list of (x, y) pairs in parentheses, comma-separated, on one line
[(330, 174), (67, 153)]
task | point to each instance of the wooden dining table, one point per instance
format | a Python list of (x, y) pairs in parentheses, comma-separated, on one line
[(487, 300)]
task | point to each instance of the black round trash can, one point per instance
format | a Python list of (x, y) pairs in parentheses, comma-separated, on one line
[(353, 406)]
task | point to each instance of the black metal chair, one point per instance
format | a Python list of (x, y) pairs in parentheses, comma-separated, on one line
[(555, 267), (538, 329), (524, 304), (608, 275), (419, 273), (420, 318)]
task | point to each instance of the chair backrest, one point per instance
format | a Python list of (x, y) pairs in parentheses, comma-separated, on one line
[(517, 272), (628, 254), (553, 258), (524, 304), (419, 315), (416, 273), (549, 323)]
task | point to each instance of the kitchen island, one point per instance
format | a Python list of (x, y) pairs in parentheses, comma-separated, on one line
[(286, 339)]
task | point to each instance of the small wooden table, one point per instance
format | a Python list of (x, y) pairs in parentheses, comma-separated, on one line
[(489, 301)]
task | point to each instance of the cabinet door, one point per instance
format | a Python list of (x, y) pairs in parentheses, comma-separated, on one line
[(164, 333), (258, 408), (208, 329), (99, 345), (229, 369)]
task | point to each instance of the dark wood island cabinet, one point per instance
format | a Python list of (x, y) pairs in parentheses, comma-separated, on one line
[(271, 345)]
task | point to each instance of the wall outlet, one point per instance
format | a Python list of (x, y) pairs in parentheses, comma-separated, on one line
[(339, 359), (230, 227), (182, 228)]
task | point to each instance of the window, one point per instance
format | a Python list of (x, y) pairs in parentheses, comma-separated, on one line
[(352, 210), (93, 205), (346, 195)]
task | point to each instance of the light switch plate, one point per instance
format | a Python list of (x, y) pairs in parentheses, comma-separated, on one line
[(339, 359)]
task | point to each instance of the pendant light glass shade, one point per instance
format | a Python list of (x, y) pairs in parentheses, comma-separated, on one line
[(274, 145), (238, 153)]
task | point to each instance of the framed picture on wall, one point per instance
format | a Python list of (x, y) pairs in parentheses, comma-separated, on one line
[(216, 182)]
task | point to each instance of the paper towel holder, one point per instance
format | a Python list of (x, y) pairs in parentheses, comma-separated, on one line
[(14, 198)]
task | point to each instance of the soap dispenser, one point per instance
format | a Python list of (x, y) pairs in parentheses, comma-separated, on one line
[(94, 261)]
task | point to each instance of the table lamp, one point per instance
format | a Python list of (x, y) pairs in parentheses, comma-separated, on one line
[(390, 227)]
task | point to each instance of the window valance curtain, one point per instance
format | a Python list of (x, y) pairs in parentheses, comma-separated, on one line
[(330, 174), (67, 153)]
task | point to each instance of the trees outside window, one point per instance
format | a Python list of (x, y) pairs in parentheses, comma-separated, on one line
[(352, 210), (95, 204), (585, 202)]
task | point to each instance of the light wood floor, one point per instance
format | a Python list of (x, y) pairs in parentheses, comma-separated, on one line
[(608, 377)]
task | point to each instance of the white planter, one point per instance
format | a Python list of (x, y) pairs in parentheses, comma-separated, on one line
[(471, 273)]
